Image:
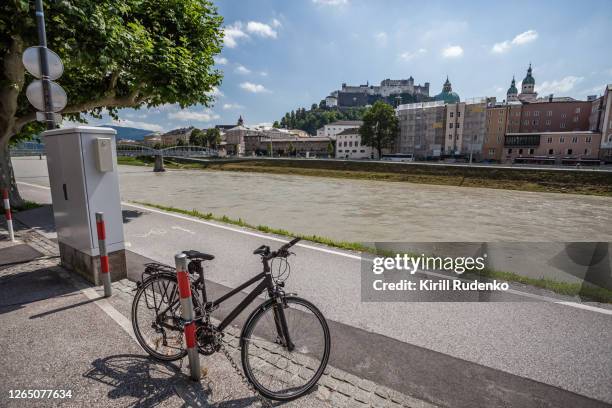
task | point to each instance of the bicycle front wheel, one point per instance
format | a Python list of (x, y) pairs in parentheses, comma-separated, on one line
[(277, 371)]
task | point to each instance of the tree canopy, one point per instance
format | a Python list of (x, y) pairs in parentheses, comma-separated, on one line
[(317, 117), (129, 53), (380, 127)]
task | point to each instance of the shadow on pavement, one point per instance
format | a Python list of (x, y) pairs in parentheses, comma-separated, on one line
[(129, 215), (145, 382)]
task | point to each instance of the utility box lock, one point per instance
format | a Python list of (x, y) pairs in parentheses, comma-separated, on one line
[(104, 154)]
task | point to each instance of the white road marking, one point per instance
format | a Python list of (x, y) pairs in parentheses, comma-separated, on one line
[(333, 252), (176, 227)]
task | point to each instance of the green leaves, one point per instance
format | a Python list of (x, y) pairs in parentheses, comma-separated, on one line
[(380, 126), (132, 53)]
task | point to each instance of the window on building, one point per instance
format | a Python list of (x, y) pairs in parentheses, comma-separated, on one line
[(520, 151), (354, 151), (452, 114), (458, 114), (450, 137), (350, 144), (491, 152), (562, 125), (587, 151), (475, 138), (569, 151), (549, 140), (574, 139), (450, 125), (509, 151), (551, 151), (577, 110), (536, 113), (527, 113), (525, 122), (535, 122), (563, 115), (531, 151), (547, 122), (549, 113), (561, 139), (576, 119), (458, 125), (588, 139), (362, 151)]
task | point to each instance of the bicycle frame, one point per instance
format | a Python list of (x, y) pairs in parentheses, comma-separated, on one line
[(267, 283)]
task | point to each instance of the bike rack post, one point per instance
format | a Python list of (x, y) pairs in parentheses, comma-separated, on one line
[(104, 264), (7, 214), (182, 277)]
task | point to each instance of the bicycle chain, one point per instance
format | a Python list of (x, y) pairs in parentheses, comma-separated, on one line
[(264, 402)]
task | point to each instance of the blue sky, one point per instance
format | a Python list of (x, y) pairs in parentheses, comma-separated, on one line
[(281, 55)]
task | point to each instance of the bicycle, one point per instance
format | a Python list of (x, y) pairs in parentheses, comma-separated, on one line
[(285, 341)]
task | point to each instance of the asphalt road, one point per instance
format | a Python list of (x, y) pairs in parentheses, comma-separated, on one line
[(553, 345)]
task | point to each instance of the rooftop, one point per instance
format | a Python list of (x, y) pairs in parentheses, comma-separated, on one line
[(346, 123), (349, 131)]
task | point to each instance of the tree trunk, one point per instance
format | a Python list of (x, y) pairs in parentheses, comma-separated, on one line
[(7, 177), (9, 91)]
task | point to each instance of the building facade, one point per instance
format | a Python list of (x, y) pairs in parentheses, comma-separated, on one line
[(172, 138), (422, 129), (552, 147), (349, 146), (332, 129), (600, 120), (466, 127)]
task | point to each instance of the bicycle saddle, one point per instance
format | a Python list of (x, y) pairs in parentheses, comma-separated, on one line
[(192, 254)]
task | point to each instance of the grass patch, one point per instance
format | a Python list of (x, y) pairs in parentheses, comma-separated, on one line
[(571, 289), (27, 205)]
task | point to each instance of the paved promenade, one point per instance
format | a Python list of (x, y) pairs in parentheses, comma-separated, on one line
[(59, 333)]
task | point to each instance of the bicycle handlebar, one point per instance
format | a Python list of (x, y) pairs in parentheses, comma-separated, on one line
[(282, 251)]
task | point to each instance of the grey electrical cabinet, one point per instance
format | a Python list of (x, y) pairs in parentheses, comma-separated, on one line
[(83, 176)]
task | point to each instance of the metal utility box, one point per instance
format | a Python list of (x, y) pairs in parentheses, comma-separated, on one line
[(84, 180)]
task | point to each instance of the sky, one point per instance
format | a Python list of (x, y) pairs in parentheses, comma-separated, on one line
[(281, 55)]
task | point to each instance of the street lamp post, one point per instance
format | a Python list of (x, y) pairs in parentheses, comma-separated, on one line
[(44, 65)]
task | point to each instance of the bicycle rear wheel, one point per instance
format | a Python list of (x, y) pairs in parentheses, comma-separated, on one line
[(275, 371), (156, 314)]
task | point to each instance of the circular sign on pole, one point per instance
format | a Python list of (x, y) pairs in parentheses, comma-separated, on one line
[(31, 61), (34, 92)]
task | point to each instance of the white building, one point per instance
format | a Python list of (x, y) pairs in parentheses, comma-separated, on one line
[(331, 101), (332, 129), (349, 146)]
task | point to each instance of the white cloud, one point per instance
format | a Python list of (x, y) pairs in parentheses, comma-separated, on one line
[(261, 29), (275, 23), (136, 124), (228, 106), (220, 60), (452, 51), (263, 73), (233, 33), (558, 86), (184, 114), (525, 37), (254, 88), (408, 55), (382, 38), (520, 39), (330, 2), (241, 69)]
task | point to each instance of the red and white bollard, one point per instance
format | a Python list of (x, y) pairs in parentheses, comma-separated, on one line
[(104, 264), (182, 277), (7, 214)]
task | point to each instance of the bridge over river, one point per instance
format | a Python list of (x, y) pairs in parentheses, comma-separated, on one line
[(124, 150)]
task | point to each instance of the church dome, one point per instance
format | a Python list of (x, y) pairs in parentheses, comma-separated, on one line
[(529, 78), (512, 90), (447, 95)]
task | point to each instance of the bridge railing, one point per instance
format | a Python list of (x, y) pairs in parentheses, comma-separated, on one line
[(133, 150)]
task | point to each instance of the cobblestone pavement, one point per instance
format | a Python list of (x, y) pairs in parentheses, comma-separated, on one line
[(221, 386)]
